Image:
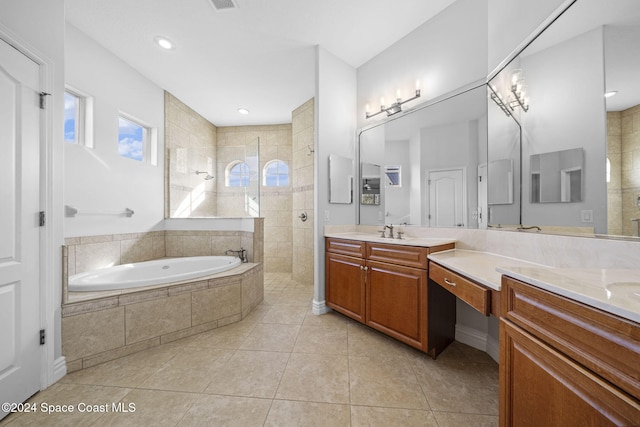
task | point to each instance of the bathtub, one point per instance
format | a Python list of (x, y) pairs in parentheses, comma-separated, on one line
[(149, 273)]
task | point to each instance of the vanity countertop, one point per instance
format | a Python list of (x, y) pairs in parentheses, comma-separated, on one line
[(478, 266), (407, 241), (616, 291)]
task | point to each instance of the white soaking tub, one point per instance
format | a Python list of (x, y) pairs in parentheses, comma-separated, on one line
[(149, 273)]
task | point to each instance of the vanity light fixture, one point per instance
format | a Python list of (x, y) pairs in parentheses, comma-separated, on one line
[(164, 42), (396, 107), (518, 92), (497, 98)]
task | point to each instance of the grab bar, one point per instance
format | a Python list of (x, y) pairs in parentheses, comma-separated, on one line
[(71, 212)]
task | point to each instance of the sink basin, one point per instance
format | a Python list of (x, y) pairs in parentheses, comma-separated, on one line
[(624, 289)]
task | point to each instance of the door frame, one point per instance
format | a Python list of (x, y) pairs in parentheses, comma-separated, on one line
[(464, 192), (50, 269)]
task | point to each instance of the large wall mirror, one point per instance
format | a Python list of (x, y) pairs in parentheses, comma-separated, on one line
[(422, 168), (549, 102)]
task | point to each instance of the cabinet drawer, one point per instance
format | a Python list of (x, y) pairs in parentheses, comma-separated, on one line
[(475, 295), (606, 344), (346, 247), (409, 256)]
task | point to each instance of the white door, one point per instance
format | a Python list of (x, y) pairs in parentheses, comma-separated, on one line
[(19, 227), (446, 198)]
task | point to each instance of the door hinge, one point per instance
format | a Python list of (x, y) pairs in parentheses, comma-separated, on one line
[(42, 218), (43, 100), (41, 336), (480, 178)]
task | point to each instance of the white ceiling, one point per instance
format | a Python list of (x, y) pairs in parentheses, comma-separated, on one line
[(259, 56)]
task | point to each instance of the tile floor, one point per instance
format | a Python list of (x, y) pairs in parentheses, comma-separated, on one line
[(282, 366)]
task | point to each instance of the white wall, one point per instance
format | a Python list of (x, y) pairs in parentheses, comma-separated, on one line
[(38, 25), (567, 111), (397, 208), (99, 179), (512, 21), (335, 132), (445, 53)]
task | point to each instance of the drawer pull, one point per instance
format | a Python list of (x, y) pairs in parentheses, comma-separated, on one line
[(364, 268), (448, 282)]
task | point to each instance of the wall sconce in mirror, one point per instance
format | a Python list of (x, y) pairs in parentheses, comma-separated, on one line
[(497, 98), (517, 96), (396, 107), (518, 92)]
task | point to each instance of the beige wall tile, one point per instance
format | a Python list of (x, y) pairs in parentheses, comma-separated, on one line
[(91, 333), (215, 303), (150, 319), (92, 256)]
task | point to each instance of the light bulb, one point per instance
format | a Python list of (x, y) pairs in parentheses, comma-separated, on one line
[(381, 101), (366, 108), (418, 84), (398, 94)]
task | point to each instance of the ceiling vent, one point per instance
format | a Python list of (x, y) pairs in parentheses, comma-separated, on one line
[(224, 4)]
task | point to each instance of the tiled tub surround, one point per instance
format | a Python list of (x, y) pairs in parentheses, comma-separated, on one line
[(88, 253), (118, 323), (101, 326)]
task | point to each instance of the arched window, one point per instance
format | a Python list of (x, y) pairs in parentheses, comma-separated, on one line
[(275, 174), (237, 174)]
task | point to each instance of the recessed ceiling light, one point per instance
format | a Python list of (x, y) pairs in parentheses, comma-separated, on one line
[(243, 111), (610, 93), (164, 42)]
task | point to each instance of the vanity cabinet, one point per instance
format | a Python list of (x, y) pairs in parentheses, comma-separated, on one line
[(385, 286), (565, 363), (345, 277)]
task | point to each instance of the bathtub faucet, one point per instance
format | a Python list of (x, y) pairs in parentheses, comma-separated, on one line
[(240, 253)]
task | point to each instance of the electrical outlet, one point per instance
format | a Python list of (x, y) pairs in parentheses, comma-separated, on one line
[(587, 216)]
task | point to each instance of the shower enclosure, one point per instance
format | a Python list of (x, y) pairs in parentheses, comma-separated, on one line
[(214, 181)]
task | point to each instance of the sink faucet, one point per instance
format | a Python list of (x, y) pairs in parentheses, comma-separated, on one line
[(390, 227)]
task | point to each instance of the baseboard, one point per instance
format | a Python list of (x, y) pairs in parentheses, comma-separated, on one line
[(59, 368), (471, 337), (493, 348), (319, 307)]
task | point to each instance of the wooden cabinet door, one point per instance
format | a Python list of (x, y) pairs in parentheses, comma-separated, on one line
[(397, 302), (541, 387), (345, 285)]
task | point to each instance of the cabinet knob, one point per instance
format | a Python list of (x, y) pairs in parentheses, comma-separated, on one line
[(448, 282)]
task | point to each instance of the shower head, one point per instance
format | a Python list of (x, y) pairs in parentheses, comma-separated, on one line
[(207, 177)]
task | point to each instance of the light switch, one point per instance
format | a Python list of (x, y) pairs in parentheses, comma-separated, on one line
[(587, 216), (326, 215)]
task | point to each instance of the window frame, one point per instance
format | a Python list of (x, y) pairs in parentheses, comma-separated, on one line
[(84, 117), (149, 139), (277, 175), (229, 169)]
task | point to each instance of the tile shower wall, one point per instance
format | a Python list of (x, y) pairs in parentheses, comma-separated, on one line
[(302, 186), (275, 202), (630, 165), (614, 189), (190, 142)]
